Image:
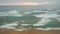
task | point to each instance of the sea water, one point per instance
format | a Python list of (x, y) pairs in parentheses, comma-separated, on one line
[(23, 17)]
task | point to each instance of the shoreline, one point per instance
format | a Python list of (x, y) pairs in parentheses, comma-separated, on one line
[(22, 29), (31, 31)]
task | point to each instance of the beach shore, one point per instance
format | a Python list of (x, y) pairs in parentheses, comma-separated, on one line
[(30, 31)]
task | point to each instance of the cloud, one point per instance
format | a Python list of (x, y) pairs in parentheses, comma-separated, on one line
[(24, 0), (22, 3)]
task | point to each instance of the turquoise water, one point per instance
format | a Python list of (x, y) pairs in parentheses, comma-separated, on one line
[(15, 16)]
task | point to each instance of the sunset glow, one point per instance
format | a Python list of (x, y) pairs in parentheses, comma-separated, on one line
[(23, 3), (43, 3)]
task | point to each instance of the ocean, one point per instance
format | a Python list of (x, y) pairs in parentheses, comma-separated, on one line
[(20, 17)]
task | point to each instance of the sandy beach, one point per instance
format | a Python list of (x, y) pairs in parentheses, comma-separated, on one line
[(31, 31)]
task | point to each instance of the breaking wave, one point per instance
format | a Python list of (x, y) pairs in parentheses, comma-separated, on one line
[(45, 15), (11, 13)]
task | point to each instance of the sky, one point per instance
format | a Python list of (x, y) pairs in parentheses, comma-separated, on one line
[(53, 3), (22, 0), (57, 1)]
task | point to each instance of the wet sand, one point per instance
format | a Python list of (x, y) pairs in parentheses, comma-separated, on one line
[(31, 31)]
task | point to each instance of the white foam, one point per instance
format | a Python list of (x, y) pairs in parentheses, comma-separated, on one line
[(38, 24), (46, 18), (58, 19), (9, 26), (34, 11), (45, 15), (18, 29), (28, 12), (10, 13), (48, 28), (43, 21), (39, 11), (25, 24)]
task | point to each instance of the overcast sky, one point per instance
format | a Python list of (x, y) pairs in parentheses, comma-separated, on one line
[(22, 0), (29, 0), (55, 3)]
